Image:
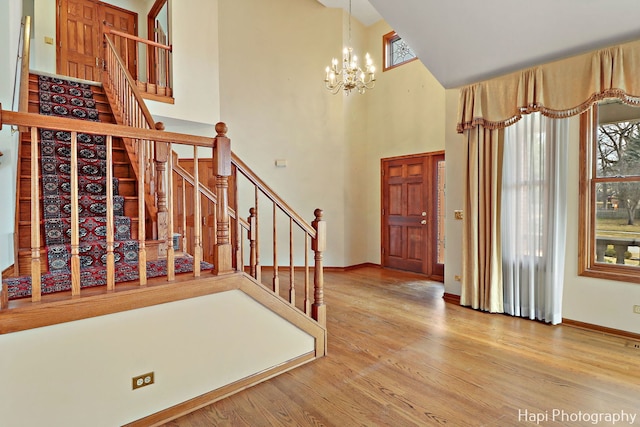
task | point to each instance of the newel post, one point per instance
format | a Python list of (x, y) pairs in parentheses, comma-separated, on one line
[(161, 157), (222, 254), (319, 245)]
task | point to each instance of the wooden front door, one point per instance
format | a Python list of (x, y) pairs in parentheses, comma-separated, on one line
[(79, 51), (413, 214)]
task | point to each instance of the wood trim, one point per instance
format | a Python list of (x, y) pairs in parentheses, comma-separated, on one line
[(166, 415), (602, 329), (155, 9), (151, 25), (70, 125), (157, 98), (8, 271), (587, 265), (22, 314), (429, 267), (451, 298), (386, 39), (411, 156)]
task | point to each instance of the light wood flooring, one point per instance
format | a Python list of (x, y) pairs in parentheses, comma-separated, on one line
[(400, 356)]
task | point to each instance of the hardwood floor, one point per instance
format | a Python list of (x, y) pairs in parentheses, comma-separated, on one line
[(400, 356)]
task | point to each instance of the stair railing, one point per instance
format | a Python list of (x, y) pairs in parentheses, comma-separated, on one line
[(229, 253), (157, 76), (148, 158), (313, 236), (140, 137)]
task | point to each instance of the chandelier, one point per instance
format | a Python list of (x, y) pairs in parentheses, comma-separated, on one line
[(350, 76)]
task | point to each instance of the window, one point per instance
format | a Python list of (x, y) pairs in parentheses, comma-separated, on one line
[(610, 192), (396, 51)]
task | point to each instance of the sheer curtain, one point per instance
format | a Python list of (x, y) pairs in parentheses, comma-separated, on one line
[(533, 217)]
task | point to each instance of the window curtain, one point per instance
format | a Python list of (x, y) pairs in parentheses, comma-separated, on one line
[(533, 217), (558, 90), (481, 254)]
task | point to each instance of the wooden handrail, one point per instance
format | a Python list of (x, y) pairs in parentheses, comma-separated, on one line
[(85, 126), (141, 40), (132, 84), (205, 191), (24, 67), (271, 195)]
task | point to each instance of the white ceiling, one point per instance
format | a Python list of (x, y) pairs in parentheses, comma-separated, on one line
[(465, 41)]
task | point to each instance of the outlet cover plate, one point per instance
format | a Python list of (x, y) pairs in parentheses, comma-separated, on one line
[(142, 381)]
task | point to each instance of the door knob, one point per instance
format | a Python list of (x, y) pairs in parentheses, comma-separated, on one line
[(424, 221)]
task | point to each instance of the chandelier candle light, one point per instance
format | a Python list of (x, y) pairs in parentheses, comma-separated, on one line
[(351, 76)]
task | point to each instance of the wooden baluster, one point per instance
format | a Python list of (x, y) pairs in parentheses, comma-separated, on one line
[(319, 244), (307, 296), (276, 277), (142, 250), (252, 242), (171, 270), (161, 158), (197, 220), (167, 74), (222, 262), (184, 215), (111, 268), (239, 245), (75, 217), (292, 286), (36, 284), (258, 275)]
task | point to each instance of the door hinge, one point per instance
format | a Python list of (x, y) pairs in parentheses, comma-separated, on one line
[(382, 211)]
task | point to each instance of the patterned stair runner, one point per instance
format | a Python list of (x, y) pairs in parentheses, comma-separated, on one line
[(71, 99)]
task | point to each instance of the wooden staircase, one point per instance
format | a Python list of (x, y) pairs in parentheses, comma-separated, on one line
[(123, 171)]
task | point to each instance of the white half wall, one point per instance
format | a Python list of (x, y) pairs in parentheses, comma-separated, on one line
[(79, 373)]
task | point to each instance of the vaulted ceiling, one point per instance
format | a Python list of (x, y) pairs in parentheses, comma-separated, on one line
[(465, 41)]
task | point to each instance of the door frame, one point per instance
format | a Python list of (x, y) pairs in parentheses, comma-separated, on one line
[(431, 195)]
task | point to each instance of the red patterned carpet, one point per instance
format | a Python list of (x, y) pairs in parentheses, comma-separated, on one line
[(64, 98)]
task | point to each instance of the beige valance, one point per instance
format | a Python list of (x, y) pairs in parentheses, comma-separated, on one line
[(558, 89)]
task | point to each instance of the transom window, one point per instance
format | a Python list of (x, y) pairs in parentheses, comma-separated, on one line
[(610, 192), (396, 51)]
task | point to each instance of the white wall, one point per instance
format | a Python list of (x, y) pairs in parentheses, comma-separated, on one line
[(272, 60), (600, 302), (79, 373), (405, 115), (9, 34), (455, 172), (196, 80)]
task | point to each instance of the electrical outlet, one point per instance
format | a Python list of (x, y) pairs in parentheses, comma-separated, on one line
[(636, 309), (458, 214), (457, 278), (142, 380)]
